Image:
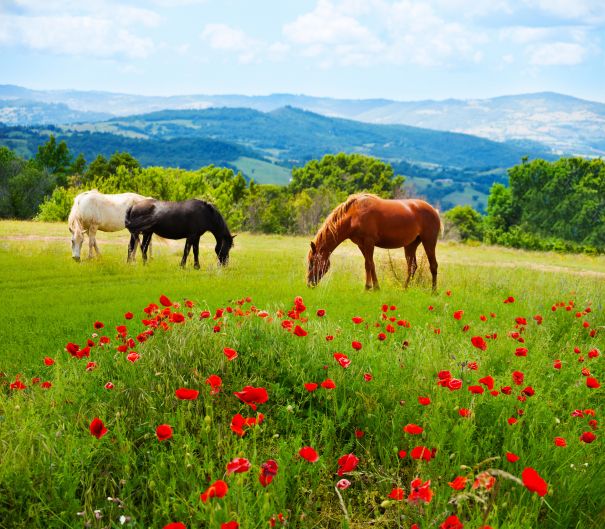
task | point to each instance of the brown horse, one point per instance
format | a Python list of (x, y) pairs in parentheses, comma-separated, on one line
[(371, 221)]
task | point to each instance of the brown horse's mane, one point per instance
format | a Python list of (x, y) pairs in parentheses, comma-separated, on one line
[(335, 218)]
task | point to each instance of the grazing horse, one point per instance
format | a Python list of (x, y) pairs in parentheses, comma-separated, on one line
[(188, 220), (94, 211), (371, 221)]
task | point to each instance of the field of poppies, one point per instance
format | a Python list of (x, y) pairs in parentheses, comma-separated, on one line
[(157, 397)]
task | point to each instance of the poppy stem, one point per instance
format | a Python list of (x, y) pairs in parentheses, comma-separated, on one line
[(343, 506)]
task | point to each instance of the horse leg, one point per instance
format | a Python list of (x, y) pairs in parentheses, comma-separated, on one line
[(92, 241), (410, 257), (145, 245), (368, 253), (132, 247), (429, 248), (196, 251), (188, 244)]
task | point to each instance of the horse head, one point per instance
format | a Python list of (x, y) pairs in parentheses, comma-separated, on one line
[(222, 248), (319, 264), (77, 238)]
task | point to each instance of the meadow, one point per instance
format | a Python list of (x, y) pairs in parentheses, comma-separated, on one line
[(463, 389)]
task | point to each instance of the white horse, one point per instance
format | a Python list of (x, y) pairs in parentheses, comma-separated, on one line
[(94, 211)]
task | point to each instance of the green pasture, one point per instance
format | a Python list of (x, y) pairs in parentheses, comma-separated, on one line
[(52, 468)]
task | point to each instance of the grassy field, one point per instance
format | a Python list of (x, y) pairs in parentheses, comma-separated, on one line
[(53, 468)]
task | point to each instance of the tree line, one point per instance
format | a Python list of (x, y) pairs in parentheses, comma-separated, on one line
[(556, 205)]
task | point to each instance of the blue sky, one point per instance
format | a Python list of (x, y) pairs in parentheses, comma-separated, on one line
[(398, 49)]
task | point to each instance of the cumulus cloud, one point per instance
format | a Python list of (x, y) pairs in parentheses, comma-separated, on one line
[(557, 54), (93, 28)]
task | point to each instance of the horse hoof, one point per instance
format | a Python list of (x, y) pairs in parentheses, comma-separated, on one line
[(368, 287), (197, 266)]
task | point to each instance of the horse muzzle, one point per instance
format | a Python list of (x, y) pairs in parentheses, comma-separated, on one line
[(76, 259)]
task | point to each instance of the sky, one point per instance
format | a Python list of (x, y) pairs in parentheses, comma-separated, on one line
[(397, 49)]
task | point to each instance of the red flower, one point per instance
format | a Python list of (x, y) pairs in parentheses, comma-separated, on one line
[(511, 420), (459, 483), (413, 429), (512, 458), (464, 412), (239, 421), (479, 342), (458, 314), (382, 336), (163, 432), (560, 441), (299, 331), (268, 471), (454, 384), (97, 428), (367, 377), (421, 452), (252, 396), (109, 385), (485, 480), (46, 385), (347, 463), (175, 525), (215, 382), (452, 522), (402, 454), (557, 364), (165, 301), (217, 490), (321, 313), (230, 525), (98, 325), (48, 361), (186, 394), (177, 317), (342, 359), (309, 454), (424, 401), (420, 492), (592, 383), (133, 356), (518, 377), (476, 389), (397, 494), (238, 465), (488, 381), (310, 386), (533, 481), (329, 338), (328, 383), (357, 320), (356, 345), (231, 354), (587, 437)]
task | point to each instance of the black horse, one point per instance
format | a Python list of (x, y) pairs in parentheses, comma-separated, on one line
[(189, 220)]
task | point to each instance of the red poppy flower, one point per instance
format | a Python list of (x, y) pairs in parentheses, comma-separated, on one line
[(342, 359), (238, 465), (402, 454), (483, 317), (109, 385), (347, 463), (452, 522), (454, 384), (165, 301), (488, 381), (231, 354), (97, 428), (310, 386), (177, 317), (343, 484), (252, 396), (215, 382), (484, 480), (560, 441), (45, 385), (321, 313), (521, 351), (217, 490), (511, 420), (357, 320), (413, 429), (98, 325), (421, 452), (356, 345), (48, 361), (163, 432), (518, 377), (424, 401), (329, 338), (367, 377), (268, 471), (230, 525), (533, 481), (464, 412), (557, 364), (328, 383), (309, 454), (592, 383), (397, 494), (133, 356), (479, 342), (587, 437), (175, 525), (459, 483), (458, 314), (512, 458), (186, 394), (382, 336), (420, 492), (299, 331), (476, 389)]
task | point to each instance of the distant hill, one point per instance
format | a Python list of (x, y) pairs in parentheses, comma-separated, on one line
[(563, 123), (448, 168)]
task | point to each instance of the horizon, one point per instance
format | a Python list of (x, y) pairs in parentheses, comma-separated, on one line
[(401, 50)]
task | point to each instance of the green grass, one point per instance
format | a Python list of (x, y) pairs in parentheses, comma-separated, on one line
[(52, 468), (263, 172)]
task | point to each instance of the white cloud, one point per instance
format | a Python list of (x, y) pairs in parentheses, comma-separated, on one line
[(557, 54), (70, 27), (588, 11)]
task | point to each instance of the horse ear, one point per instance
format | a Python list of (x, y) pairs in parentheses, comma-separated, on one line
[(313, 247)]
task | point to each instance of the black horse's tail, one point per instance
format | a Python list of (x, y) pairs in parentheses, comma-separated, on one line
[(138, 223)]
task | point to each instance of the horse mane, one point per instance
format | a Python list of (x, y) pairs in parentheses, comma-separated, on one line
[(217, 215), (335, 218)]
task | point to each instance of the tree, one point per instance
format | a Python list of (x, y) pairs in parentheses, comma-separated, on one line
[(55, 159), (467, 221)]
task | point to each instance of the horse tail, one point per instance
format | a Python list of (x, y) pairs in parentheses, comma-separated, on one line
[(441, 225), (138, 223)]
